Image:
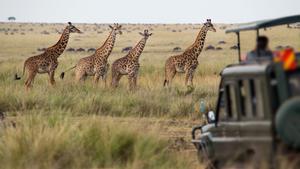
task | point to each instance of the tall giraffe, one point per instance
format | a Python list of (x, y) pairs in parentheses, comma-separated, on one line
[(129, 64), (47, 62), (187, 62), (96, 65)]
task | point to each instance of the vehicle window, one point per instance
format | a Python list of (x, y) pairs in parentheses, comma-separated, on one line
[(228, 101), (242, 93), (253, 97), (222, 107), (255, 104), (259, 97), (247, 92), (231, 104), (227, 105)]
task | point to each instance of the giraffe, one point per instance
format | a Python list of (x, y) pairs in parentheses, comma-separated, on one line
[(129, 64), (96, 65), (47, 61), (187, 62)]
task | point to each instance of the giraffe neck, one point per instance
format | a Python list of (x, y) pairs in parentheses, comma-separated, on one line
[(199, 42), (135, 53), (61, 45), (105, 50)]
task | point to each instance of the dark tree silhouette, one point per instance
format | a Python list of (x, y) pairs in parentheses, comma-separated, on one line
[(11, 18)]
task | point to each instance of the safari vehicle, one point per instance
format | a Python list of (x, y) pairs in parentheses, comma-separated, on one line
[(257, 113)]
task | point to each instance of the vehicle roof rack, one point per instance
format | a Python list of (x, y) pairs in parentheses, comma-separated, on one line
[(265, 24), (261, 24)]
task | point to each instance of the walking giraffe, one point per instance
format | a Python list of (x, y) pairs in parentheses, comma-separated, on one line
[(47, 61), (187, 62), (129, 64), (96, 65)]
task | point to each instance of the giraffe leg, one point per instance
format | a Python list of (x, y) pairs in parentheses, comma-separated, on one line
[(135, 82), (135, 79), (51, 76), (118, 79), (31, 76), (132, 79), (104, 76), (83, 78), (130, 82), (170, 72), (169, 77), (189, 77), (96, 78), (80, 76), (116, 76), (51, 72)]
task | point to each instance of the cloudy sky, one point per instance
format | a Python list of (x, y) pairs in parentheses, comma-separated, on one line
[(142, 11)]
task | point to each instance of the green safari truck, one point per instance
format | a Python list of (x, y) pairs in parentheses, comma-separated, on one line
[(257, 115)]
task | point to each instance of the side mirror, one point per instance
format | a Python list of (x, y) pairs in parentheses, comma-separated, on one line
[(211, 118)]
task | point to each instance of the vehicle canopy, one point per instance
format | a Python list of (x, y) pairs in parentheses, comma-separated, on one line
[(261, 25), (265, 24), (243, 70)]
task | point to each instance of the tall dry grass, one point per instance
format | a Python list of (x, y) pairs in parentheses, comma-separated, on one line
[(59, 141)]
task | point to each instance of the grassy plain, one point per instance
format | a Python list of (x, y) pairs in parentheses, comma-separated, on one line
[(67, 126)]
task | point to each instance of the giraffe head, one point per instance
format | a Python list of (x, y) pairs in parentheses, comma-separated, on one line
[(73, 29), (209, 25), (117, 28), (146, 34)]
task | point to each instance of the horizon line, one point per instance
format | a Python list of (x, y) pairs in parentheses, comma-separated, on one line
[(147, 23)]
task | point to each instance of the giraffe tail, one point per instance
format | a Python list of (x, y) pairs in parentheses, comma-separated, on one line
[(19, 77), (62, 75), (165, 82)]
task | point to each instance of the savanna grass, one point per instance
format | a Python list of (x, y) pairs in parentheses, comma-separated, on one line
[(59, 127), (58, 141)]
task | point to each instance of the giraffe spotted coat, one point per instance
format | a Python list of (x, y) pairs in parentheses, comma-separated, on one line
[(47, 62), (187, 62), (96, 65), (129, 64)]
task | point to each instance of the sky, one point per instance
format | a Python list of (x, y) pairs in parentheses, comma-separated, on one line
[(150, 11)]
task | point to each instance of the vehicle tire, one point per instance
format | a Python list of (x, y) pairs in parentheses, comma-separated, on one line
[(287, 122), (206, 162), (204, 159)]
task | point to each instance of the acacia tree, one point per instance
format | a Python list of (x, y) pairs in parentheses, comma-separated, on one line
[(11, 18)]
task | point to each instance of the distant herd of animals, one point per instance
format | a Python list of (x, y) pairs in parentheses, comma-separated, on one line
[(97, 65)]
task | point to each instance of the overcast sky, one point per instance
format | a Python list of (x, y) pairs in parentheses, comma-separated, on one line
[(142, 11)]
